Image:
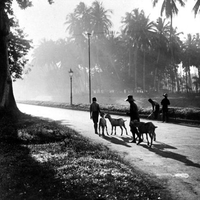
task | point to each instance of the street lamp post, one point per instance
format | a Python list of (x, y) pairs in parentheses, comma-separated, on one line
[(89, 34), (70, 75)]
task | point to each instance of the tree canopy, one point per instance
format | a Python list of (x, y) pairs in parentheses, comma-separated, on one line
[(137, 59)]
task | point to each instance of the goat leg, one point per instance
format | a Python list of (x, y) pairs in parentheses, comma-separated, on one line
[(121, 130), (102, 131), (107, 129), (112, 130), (125, 129)]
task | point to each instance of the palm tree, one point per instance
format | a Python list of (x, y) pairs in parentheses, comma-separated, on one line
[(78, 24), (196, 7), (100, 19), (139, 30), (94, 20), (100, 25), (176, 53), (196, 58), (170, 8), (147, 32), (160, 46), (131, 28), (126, 35), (196, 83), (190, 56)]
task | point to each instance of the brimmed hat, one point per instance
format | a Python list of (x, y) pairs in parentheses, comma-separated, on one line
[(94, 99), (130, 98), (165, 95)]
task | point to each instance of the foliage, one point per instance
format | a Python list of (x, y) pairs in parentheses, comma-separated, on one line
[(144, 56), (18, 48), (18, 45)]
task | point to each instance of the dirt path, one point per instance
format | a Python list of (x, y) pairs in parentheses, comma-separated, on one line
[(174, 157)]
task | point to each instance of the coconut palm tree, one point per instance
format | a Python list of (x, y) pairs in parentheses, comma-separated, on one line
[(100, 25), (100, 22), (94, 20), (170, 9), (176, 54), (140, 30), (78, 24), (161, 48), (131, 28), (196, 7), (126, 35), (190, 56)]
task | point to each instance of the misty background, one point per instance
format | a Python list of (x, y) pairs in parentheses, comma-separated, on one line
[(135, 59)]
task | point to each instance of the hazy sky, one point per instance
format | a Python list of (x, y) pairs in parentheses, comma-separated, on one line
[(47, 21)]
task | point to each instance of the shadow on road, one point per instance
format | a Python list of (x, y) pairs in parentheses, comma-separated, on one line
[(116, 140), (162, 146), (168, 154)]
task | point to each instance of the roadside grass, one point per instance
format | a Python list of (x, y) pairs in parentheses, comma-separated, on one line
[(41, 159), (187, 114)]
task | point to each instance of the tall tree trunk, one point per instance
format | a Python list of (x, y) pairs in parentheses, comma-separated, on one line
[(177, 79), (158, 84), (144, 68), (156, 71), (189, 78), (135, 67), (7, 100), (130, 60), (172, 55), (186, 78), (129, 67)]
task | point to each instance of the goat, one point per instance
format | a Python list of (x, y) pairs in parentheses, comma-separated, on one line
[(116, 122), (102, 124), (146, 128)]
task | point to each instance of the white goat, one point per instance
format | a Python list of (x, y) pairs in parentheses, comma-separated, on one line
[(116, 122), (102, 124)]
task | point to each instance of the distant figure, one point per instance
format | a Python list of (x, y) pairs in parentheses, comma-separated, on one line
[(94, 113), (134, 115), (155, 107), (165, 103)]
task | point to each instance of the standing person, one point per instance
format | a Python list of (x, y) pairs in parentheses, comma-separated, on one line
[(134, 115), (94, 113), (165, 103), (155, 107)]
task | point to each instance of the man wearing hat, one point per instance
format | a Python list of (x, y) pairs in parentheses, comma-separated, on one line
[(165, 103), (94, 113), (134, 115)]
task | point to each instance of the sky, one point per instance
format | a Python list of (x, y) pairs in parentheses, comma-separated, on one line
[(47, 21)]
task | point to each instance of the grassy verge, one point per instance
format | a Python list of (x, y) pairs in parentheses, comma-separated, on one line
[(44, 160), (176, 114)]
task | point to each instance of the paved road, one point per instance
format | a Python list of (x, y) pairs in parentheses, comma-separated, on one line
[(174, 157)]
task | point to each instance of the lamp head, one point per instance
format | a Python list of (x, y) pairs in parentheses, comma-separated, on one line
[(71, 72)]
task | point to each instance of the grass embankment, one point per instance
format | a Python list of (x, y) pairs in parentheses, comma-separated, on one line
[(44, 160), (176, 114)]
